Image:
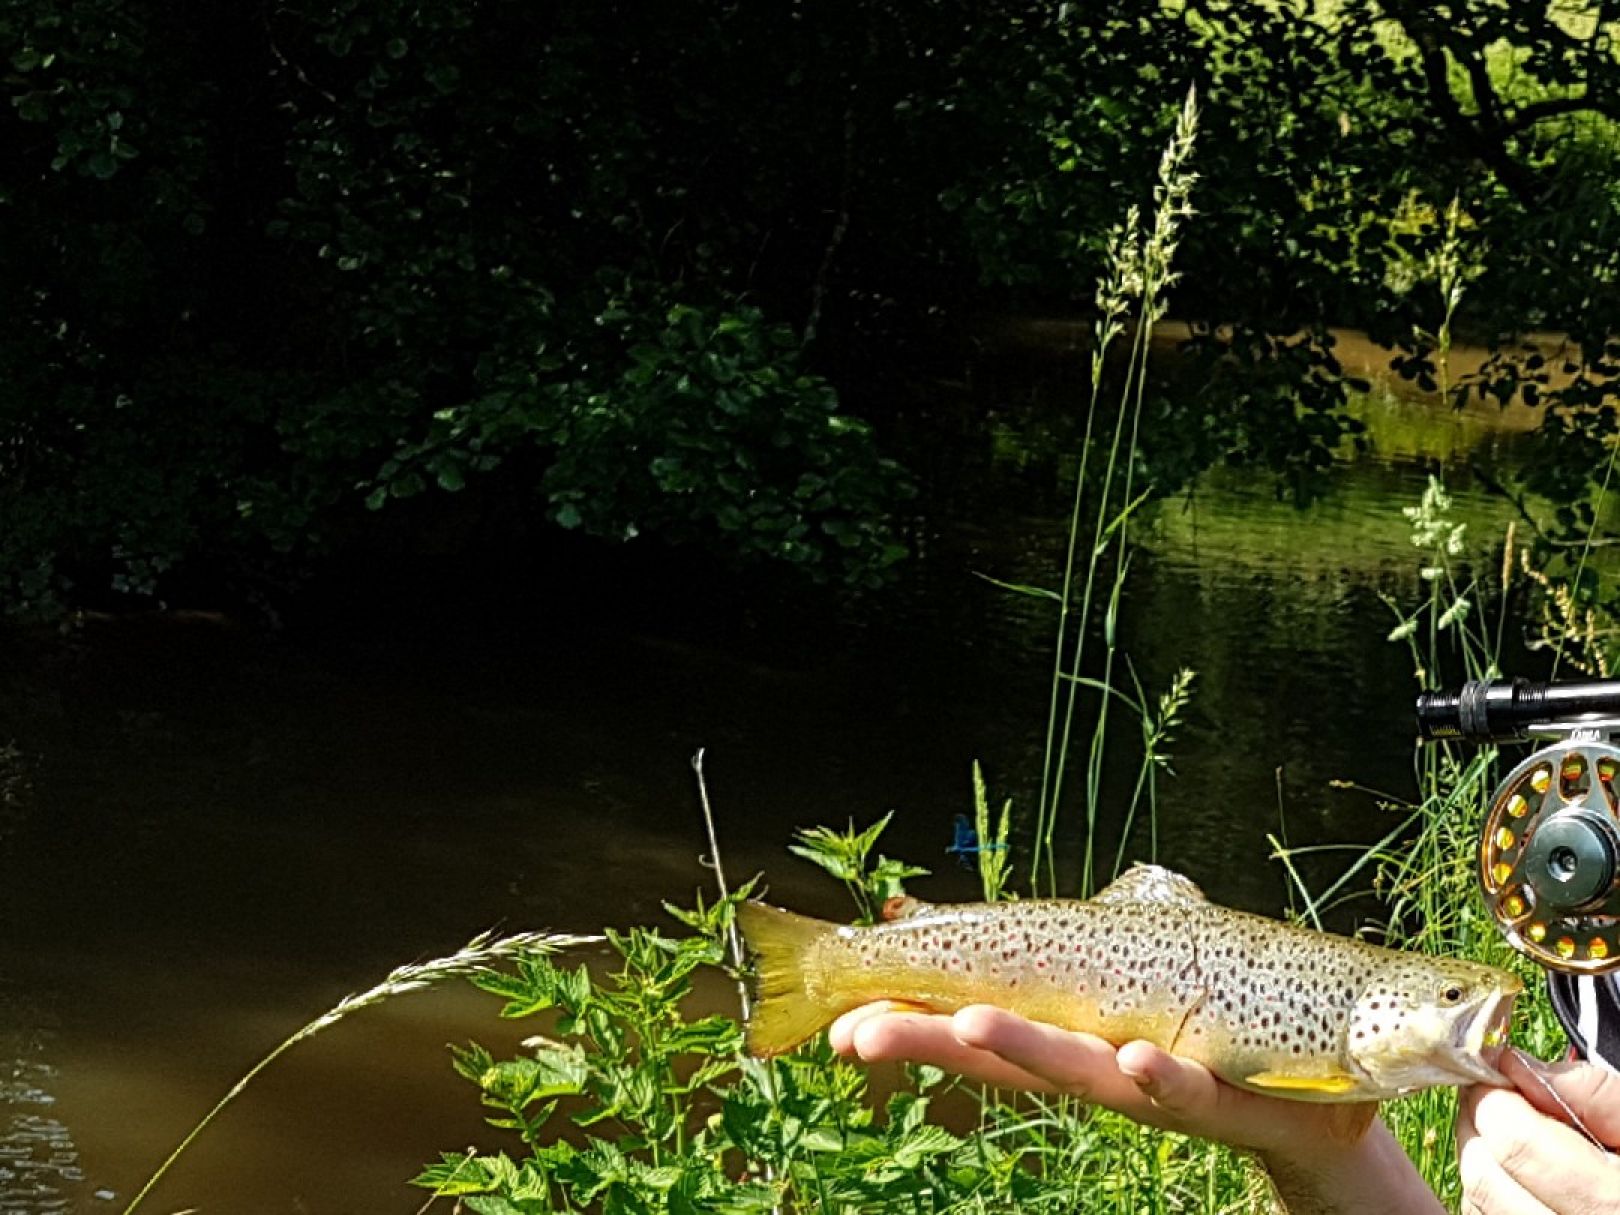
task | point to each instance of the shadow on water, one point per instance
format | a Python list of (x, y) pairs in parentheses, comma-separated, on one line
[(212, 836)]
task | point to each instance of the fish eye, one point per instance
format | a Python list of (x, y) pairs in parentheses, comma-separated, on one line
[(1451, 993)]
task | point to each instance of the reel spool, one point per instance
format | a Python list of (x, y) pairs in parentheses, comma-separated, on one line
[(1549, 858)]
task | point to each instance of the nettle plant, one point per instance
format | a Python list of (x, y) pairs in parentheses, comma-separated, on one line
[(634, 1100)]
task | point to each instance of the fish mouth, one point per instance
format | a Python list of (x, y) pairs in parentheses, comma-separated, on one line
[(1482, 1035)]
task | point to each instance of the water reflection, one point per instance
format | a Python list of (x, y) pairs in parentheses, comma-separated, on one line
[(39, 1161)]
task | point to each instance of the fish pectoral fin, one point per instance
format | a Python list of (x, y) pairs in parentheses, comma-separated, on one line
[(1327, 1082)]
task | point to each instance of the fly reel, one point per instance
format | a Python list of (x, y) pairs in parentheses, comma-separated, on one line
[(1549, 854)]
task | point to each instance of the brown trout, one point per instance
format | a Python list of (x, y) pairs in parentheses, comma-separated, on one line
[(1264, 1005)]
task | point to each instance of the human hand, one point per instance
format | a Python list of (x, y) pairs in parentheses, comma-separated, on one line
[(1519, 1156), (1138, 1079)]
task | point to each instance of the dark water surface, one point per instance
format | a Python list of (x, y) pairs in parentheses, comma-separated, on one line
[(207, 837)]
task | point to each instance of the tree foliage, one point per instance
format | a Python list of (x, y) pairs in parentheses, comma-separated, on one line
[(618, 264)]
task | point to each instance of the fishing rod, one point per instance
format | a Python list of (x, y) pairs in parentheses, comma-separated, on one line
[(1549, 850)]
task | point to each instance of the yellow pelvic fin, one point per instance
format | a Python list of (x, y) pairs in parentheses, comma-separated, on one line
[(1332, 1082), (785, 1012), (910, 1006)]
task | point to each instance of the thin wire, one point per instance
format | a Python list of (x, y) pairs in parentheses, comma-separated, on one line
[(1574, 1118), (1586, 549)]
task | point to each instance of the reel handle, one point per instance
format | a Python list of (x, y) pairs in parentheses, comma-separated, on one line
[(1509, 710)]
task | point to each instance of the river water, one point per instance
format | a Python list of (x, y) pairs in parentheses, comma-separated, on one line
[(208, 835)]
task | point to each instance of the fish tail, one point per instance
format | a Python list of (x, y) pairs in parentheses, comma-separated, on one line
[(785, 1010)]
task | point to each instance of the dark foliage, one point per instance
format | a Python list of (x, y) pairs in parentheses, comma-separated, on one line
[(609, 263)]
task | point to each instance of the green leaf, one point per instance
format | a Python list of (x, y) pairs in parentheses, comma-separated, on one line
[(1020, 588), (407, 485), (557, 1070), (450, 475), (471, 1061), (622, 1200), (454, 1174), (925, 1141), (495, 1205)]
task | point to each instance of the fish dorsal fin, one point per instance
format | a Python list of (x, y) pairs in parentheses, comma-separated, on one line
[(1150, 884)]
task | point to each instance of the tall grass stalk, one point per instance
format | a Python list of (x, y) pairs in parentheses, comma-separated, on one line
[(1586, 548), (1131, 293), (478, 954)]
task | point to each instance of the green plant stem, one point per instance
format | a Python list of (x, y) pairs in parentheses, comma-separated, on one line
[(1132, 371), (481, 951), (208, 1118), (1045, 808)]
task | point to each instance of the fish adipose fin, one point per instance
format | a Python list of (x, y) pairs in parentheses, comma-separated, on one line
[(1150, 884), (1332, 1082), (785, 1010)]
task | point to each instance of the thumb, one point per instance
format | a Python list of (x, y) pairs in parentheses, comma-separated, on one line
[(1590, 1092)]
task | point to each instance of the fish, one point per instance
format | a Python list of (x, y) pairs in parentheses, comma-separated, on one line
[(1267, 1006)]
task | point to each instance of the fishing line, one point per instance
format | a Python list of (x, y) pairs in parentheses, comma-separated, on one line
[(1574, 1118)]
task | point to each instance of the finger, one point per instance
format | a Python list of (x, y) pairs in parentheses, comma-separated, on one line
[(1548, 1160), (1180, 1087), (1185, 1096), (1160, 1090), (1592, 1092), (841, 1034), (1466, 1100), (1193, 1099), (1078, 1064), (1487, 1187), (907, 1037)]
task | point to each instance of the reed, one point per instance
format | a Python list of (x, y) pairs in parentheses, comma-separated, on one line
[(1130, 299)]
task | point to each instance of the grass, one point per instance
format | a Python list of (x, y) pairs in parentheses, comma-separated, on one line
[(482, 951), (1130, 300)]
